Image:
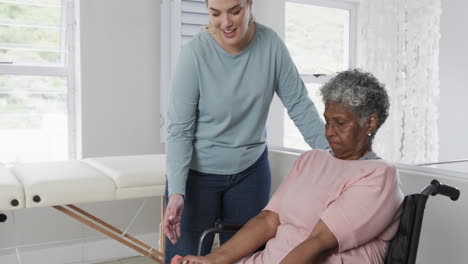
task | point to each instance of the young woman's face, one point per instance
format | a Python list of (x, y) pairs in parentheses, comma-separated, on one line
[(230, 20), (347, 138)]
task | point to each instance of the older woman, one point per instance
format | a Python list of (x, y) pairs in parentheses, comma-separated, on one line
[(338, 206)]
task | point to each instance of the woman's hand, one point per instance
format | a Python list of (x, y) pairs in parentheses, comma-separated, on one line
[(173, 216)]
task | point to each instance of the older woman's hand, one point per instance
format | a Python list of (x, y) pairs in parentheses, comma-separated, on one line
[(192, 260)]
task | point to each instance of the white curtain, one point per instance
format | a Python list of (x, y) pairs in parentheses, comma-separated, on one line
[(399, 44)]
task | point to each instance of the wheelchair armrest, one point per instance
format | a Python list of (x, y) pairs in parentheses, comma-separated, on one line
[(219, 228), (224, 227)]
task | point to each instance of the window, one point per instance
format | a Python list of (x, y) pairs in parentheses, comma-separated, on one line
[(320, 36), (36, 80)]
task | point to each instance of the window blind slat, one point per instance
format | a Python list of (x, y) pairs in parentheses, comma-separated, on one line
[(191, 29), (194, 18), (194, 15), (194, 7)]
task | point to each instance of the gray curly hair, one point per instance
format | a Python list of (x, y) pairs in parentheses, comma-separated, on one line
[(361, 92)]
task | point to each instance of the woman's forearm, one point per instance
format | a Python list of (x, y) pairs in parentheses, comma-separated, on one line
[(253, 235)]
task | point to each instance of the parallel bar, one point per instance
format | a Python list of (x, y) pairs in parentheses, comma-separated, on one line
[(106, 232)]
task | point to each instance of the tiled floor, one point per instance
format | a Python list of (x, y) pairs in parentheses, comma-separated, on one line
[(134, 260)]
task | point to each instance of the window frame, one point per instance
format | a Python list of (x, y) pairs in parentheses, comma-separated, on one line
[(319, 78), (66, 70), (352, 7)]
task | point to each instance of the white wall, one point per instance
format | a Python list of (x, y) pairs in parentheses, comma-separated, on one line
[(453, 125), (120, 77), (263, 10), (271, 13), (120, 116)]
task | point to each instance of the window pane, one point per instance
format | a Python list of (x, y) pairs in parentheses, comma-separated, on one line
[(31, 32), (33, 118), (292, 137), (317, 38)]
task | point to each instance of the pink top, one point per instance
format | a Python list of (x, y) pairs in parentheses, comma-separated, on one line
[(359, 200)]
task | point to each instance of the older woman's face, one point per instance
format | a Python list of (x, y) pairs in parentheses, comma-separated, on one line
[(346, 137)]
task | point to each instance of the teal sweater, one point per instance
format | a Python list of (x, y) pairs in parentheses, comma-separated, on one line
[(219, 104)]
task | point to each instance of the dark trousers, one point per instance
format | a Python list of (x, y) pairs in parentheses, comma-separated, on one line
[(232, 199)]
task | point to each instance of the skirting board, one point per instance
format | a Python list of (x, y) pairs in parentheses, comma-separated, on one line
[(82, 252)]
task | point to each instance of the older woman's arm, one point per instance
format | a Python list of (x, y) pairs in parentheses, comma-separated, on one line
[(321, 243), (253, 235)]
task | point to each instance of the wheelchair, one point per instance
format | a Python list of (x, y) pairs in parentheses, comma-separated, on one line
[(404, 246)]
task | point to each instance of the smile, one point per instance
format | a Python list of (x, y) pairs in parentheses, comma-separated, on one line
[(229, 33)]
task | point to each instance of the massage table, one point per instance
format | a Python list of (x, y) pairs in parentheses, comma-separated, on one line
[(62, 184)]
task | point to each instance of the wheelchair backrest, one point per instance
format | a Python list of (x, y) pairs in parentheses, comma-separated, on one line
[(404, 246)]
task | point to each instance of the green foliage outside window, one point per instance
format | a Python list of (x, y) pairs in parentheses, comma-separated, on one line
[(24, 99), (30, 33)]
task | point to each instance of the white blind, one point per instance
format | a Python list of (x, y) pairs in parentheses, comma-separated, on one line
[(194, 16), (181, 20)]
